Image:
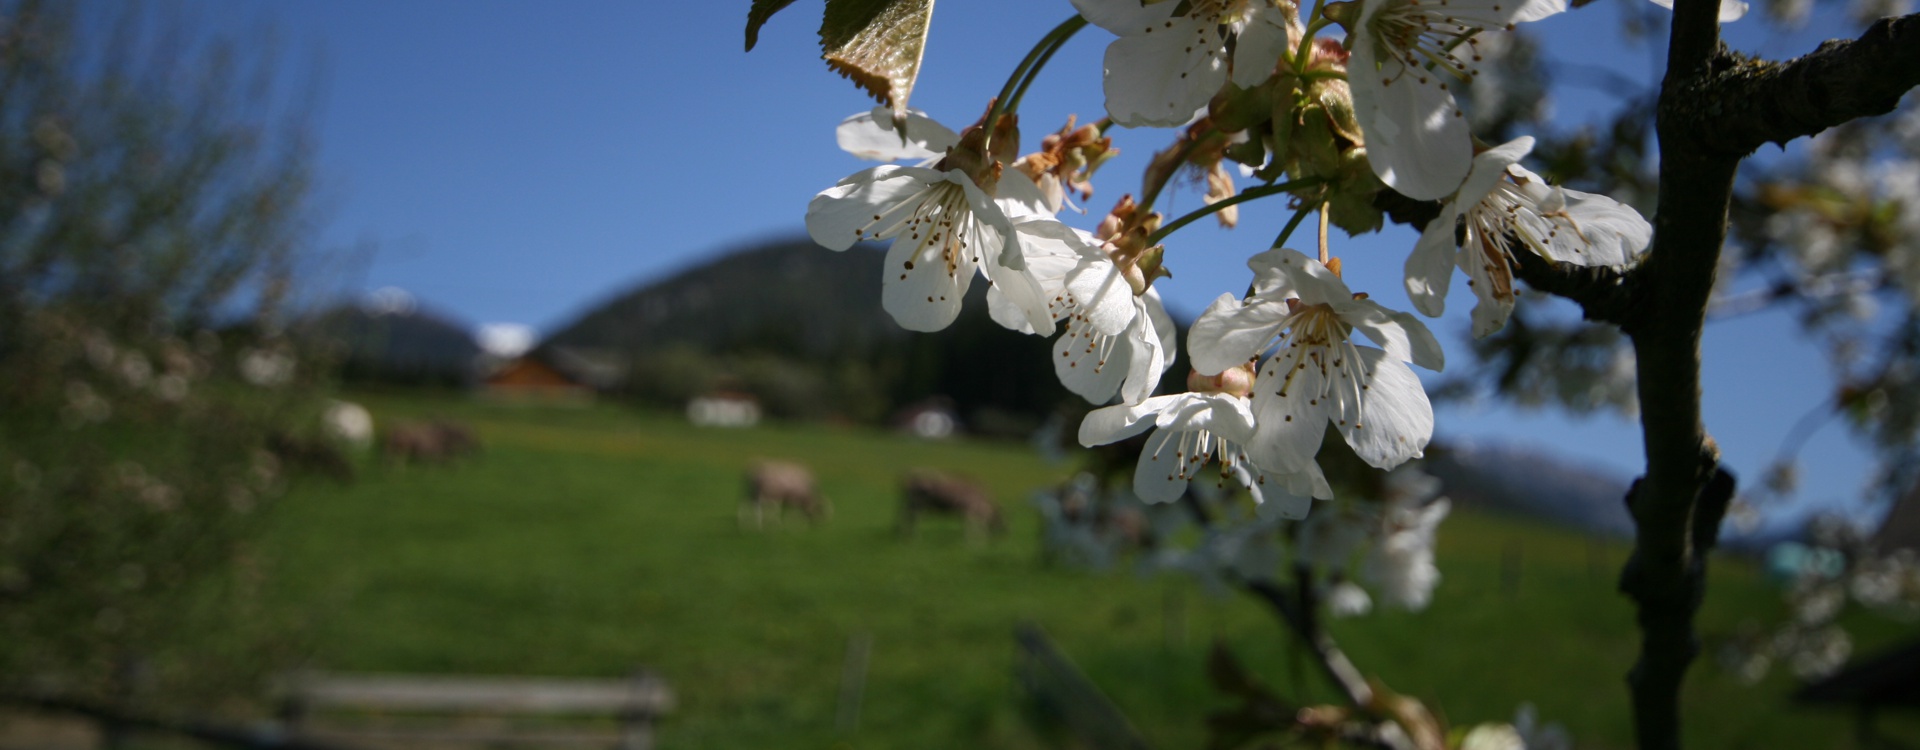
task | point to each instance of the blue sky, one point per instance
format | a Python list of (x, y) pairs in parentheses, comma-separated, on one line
[(516, 162)]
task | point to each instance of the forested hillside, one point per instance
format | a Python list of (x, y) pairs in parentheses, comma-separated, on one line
[(802, 329)]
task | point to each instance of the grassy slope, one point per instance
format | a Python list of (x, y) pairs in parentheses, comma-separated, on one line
[(587, 542)]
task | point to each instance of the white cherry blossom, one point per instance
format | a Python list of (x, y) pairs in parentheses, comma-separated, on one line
[(1318, 374), (1194, 429), (1502, 202), (1165, 66), (871, 136), (1400, 565), (944, 228), (1115, 341), (1347, 599), (1407, 58)]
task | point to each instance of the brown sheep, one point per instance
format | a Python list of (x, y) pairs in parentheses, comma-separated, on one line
[(434, 442), (929, 491), (779, 485)]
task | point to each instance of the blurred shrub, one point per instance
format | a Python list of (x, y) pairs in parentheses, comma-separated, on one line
[(152, 220)]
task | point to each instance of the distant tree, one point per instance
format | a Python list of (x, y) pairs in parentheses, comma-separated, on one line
[(154, 213)]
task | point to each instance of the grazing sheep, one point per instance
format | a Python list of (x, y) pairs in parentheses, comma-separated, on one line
[(436, 442), (779, 485), (929, 491)]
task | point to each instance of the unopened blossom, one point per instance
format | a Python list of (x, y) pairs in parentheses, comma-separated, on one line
[(1408, 57), (1400, 565), (1115, 341), (946, 225), (1194, 429), (1066, 162), (872, 136), (1503, 209), (1165, 66), (1201, 151), (1304, 313)]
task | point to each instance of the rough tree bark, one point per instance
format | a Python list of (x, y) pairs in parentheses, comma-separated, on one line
[(1715, 108)]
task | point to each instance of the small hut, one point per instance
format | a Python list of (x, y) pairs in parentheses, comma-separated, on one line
[(553, 374), (530, 377), (724, 409)]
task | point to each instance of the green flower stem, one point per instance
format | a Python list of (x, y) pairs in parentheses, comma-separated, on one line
[(1298, 216), (1242, 197), (1151, 193), (1316, 21), (1059, 35), (1030, 64)]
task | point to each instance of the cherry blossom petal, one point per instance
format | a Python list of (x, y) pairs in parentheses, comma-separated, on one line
[(1090, 364), (1430, 267), (1164, 327), (871, 136), (1490, 167), (1290, 413), (1021, 291), (1403, 336), (1259, 46), (922, 291), (1159, 476), (1417, 142), (1113, 424), (1232, 332), (1147, 346), (1020, 198), (1229, 416), (1104, 297), (1394, 420), (1052, 250), (1533, 10), (1125, 17), (1281, 503), (1492, 309), (865, 204), (1284, 272), (1603, 231), (1002, 258), (1162, 78)]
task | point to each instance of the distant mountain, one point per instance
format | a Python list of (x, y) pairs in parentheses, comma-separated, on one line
[(802, 328), (1521, 481), (789, 298), (413, 346)]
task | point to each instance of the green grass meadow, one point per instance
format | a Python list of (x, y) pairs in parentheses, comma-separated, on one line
[(591, 541)]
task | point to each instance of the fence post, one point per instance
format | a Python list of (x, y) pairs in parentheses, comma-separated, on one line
[(853, 681)]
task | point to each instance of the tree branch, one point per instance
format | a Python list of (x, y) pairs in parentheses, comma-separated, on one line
[(1747, 103), (1606, 294)]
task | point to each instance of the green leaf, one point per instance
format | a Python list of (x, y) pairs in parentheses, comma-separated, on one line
[(877, 44), (757, 17)]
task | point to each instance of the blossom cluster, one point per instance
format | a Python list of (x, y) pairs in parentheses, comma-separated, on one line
[(1341, 119), (1376, 550)]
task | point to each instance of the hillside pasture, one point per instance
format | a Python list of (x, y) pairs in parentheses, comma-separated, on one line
[(591, 541)]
